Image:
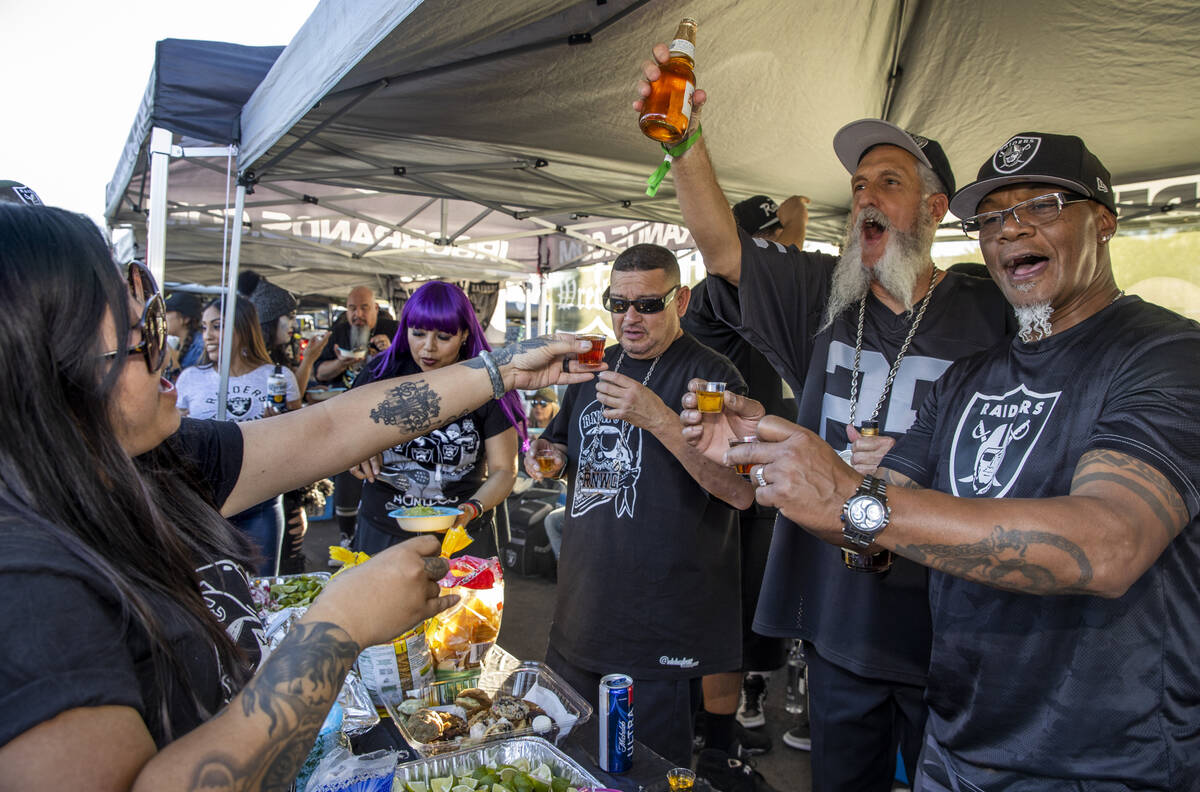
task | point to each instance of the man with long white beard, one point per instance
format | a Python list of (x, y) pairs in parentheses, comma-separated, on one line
[(860, 338)]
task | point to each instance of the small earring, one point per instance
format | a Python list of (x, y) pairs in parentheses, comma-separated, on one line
[(1105, 238)]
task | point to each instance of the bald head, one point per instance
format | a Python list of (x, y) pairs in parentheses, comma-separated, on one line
[(361, 310)]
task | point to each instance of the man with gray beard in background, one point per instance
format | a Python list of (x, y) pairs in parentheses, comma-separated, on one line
[(861, 338)]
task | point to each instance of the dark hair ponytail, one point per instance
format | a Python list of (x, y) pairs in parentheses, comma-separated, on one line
[(144, 524)]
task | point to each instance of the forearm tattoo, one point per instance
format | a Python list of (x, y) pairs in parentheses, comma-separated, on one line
[(1002, 560), (1137, 478), (894, 479), (504, 355), (294, 690), (413, 406)]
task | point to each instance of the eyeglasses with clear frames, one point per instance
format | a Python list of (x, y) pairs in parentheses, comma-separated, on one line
[(1039, 211)]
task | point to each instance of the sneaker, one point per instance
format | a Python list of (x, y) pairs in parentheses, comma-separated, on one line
[(754, 693), (729, 774), (799, 736), (749, 743)]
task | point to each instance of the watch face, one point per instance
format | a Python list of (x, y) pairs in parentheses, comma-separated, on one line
[(866, 513)]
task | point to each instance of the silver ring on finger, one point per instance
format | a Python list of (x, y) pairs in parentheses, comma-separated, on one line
[(758, 474)]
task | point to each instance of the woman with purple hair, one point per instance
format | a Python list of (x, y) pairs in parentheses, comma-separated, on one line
[(447, 466)]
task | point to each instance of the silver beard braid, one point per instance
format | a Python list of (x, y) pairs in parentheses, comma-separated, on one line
[(359, 335), (904, 258), (1033, 321)]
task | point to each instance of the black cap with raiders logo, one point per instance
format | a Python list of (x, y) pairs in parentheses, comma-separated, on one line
[(858, 137), (15, 192), (756, 214), (1041, 158)]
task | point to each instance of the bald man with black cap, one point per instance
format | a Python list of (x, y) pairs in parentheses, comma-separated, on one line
[(861, 337)]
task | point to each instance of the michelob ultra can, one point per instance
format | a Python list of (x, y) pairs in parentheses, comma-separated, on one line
[(616, 723)]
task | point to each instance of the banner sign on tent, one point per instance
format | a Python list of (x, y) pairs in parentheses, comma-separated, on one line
[(484, 297), (570, 252)]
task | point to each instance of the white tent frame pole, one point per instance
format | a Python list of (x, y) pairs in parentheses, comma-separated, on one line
[(156, 231), (528, 286), (228, 315)]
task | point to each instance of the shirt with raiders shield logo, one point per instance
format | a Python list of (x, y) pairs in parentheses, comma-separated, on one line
[(1058, 687), (876, 626), (246, 398)]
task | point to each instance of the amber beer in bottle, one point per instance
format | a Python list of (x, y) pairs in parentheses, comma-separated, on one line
[(668, 109), (880, 562)]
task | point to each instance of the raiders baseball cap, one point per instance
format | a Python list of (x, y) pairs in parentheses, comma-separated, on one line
[(856, 138), (15, 192), (1039, 157), (756, 214)]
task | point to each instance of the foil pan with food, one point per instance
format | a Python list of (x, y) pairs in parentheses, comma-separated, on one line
[(513, 765)]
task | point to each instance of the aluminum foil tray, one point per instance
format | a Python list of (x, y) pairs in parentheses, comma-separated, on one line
[(464, 762), (500, 673)]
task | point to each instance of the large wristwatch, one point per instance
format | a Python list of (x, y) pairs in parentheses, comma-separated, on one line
[(866, 513)]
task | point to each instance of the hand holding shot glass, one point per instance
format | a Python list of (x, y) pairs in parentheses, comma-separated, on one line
[(595, 355), (549, 462)]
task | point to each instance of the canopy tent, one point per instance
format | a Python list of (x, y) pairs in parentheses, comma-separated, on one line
[(520, 110)]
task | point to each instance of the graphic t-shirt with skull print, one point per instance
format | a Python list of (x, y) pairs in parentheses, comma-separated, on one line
[(442, 468), (648, 572)]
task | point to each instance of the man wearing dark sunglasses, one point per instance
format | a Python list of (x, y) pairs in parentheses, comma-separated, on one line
[(648, 567)]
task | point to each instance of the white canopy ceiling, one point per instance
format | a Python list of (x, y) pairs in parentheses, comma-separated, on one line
[(523, 108)]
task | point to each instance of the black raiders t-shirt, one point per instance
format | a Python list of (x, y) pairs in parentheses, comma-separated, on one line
[(339, 336), (442, 468), (1056, 687), (876, 626), (67, 644), (648, 573)]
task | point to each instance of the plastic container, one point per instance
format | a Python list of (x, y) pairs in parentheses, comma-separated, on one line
[(500, 673), (260, 587), (425, 523), (534, 749)]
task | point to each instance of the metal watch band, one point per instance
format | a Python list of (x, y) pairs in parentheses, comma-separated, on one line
[(493, 371), (876, 488)]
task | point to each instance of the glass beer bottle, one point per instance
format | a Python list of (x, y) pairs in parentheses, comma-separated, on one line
[(667, 111)]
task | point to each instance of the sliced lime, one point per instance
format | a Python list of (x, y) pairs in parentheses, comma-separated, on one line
[(416, 786), (441, 784)]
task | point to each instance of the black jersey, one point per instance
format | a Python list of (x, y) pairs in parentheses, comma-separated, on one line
[(876, 626), (1069, 687)]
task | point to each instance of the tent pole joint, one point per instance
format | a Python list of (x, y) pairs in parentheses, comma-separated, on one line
[(579, 38)]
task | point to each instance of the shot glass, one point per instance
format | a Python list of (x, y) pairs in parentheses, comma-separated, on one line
[(711, 398), (547, 462), (742, 469), (681, 779), (595, 355)]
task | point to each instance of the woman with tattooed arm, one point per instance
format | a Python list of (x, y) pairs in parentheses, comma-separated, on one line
[(130, 651)]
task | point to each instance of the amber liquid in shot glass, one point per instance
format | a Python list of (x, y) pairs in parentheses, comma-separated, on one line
[(547, 462), (681, 779), (742, 469), (595, 355), (711, 398)]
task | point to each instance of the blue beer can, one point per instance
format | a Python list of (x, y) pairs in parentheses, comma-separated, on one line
[(616, 723)]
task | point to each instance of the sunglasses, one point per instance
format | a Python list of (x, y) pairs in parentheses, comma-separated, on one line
[(540, 402), (643, 305), (153, 322)]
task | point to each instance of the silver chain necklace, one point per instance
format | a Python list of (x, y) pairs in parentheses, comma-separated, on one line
[(858, 346), (645, 383)]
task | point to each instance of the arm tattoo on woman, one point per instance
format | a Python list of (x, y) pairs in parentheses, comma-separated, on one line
[(294, 690), (1001, 560), (1142, 481), (412, 405)]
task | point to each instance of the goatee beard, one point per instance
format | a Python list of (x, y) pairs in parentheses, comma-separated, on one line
[(903, 261), (1033, 321)]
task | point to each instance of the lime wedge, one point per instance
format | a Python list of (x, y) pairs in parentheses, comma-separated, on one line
[(468, 782), (416, 786), (498, 788), (543, 771), (441, 784), (521, 764), (507, 774), (462, 788)]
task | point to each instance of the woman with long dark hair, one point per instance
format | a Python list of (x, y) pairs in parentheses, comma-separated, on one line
[(247, 399), (127, 621), (470, 463)]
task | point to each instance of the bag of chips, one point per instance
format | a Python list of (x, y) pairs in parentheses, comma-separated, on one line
[(460, 637)]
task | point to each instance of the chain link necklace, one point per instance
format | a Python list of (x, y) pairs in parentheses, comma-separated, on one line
[(858, 346), (645, 384)]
